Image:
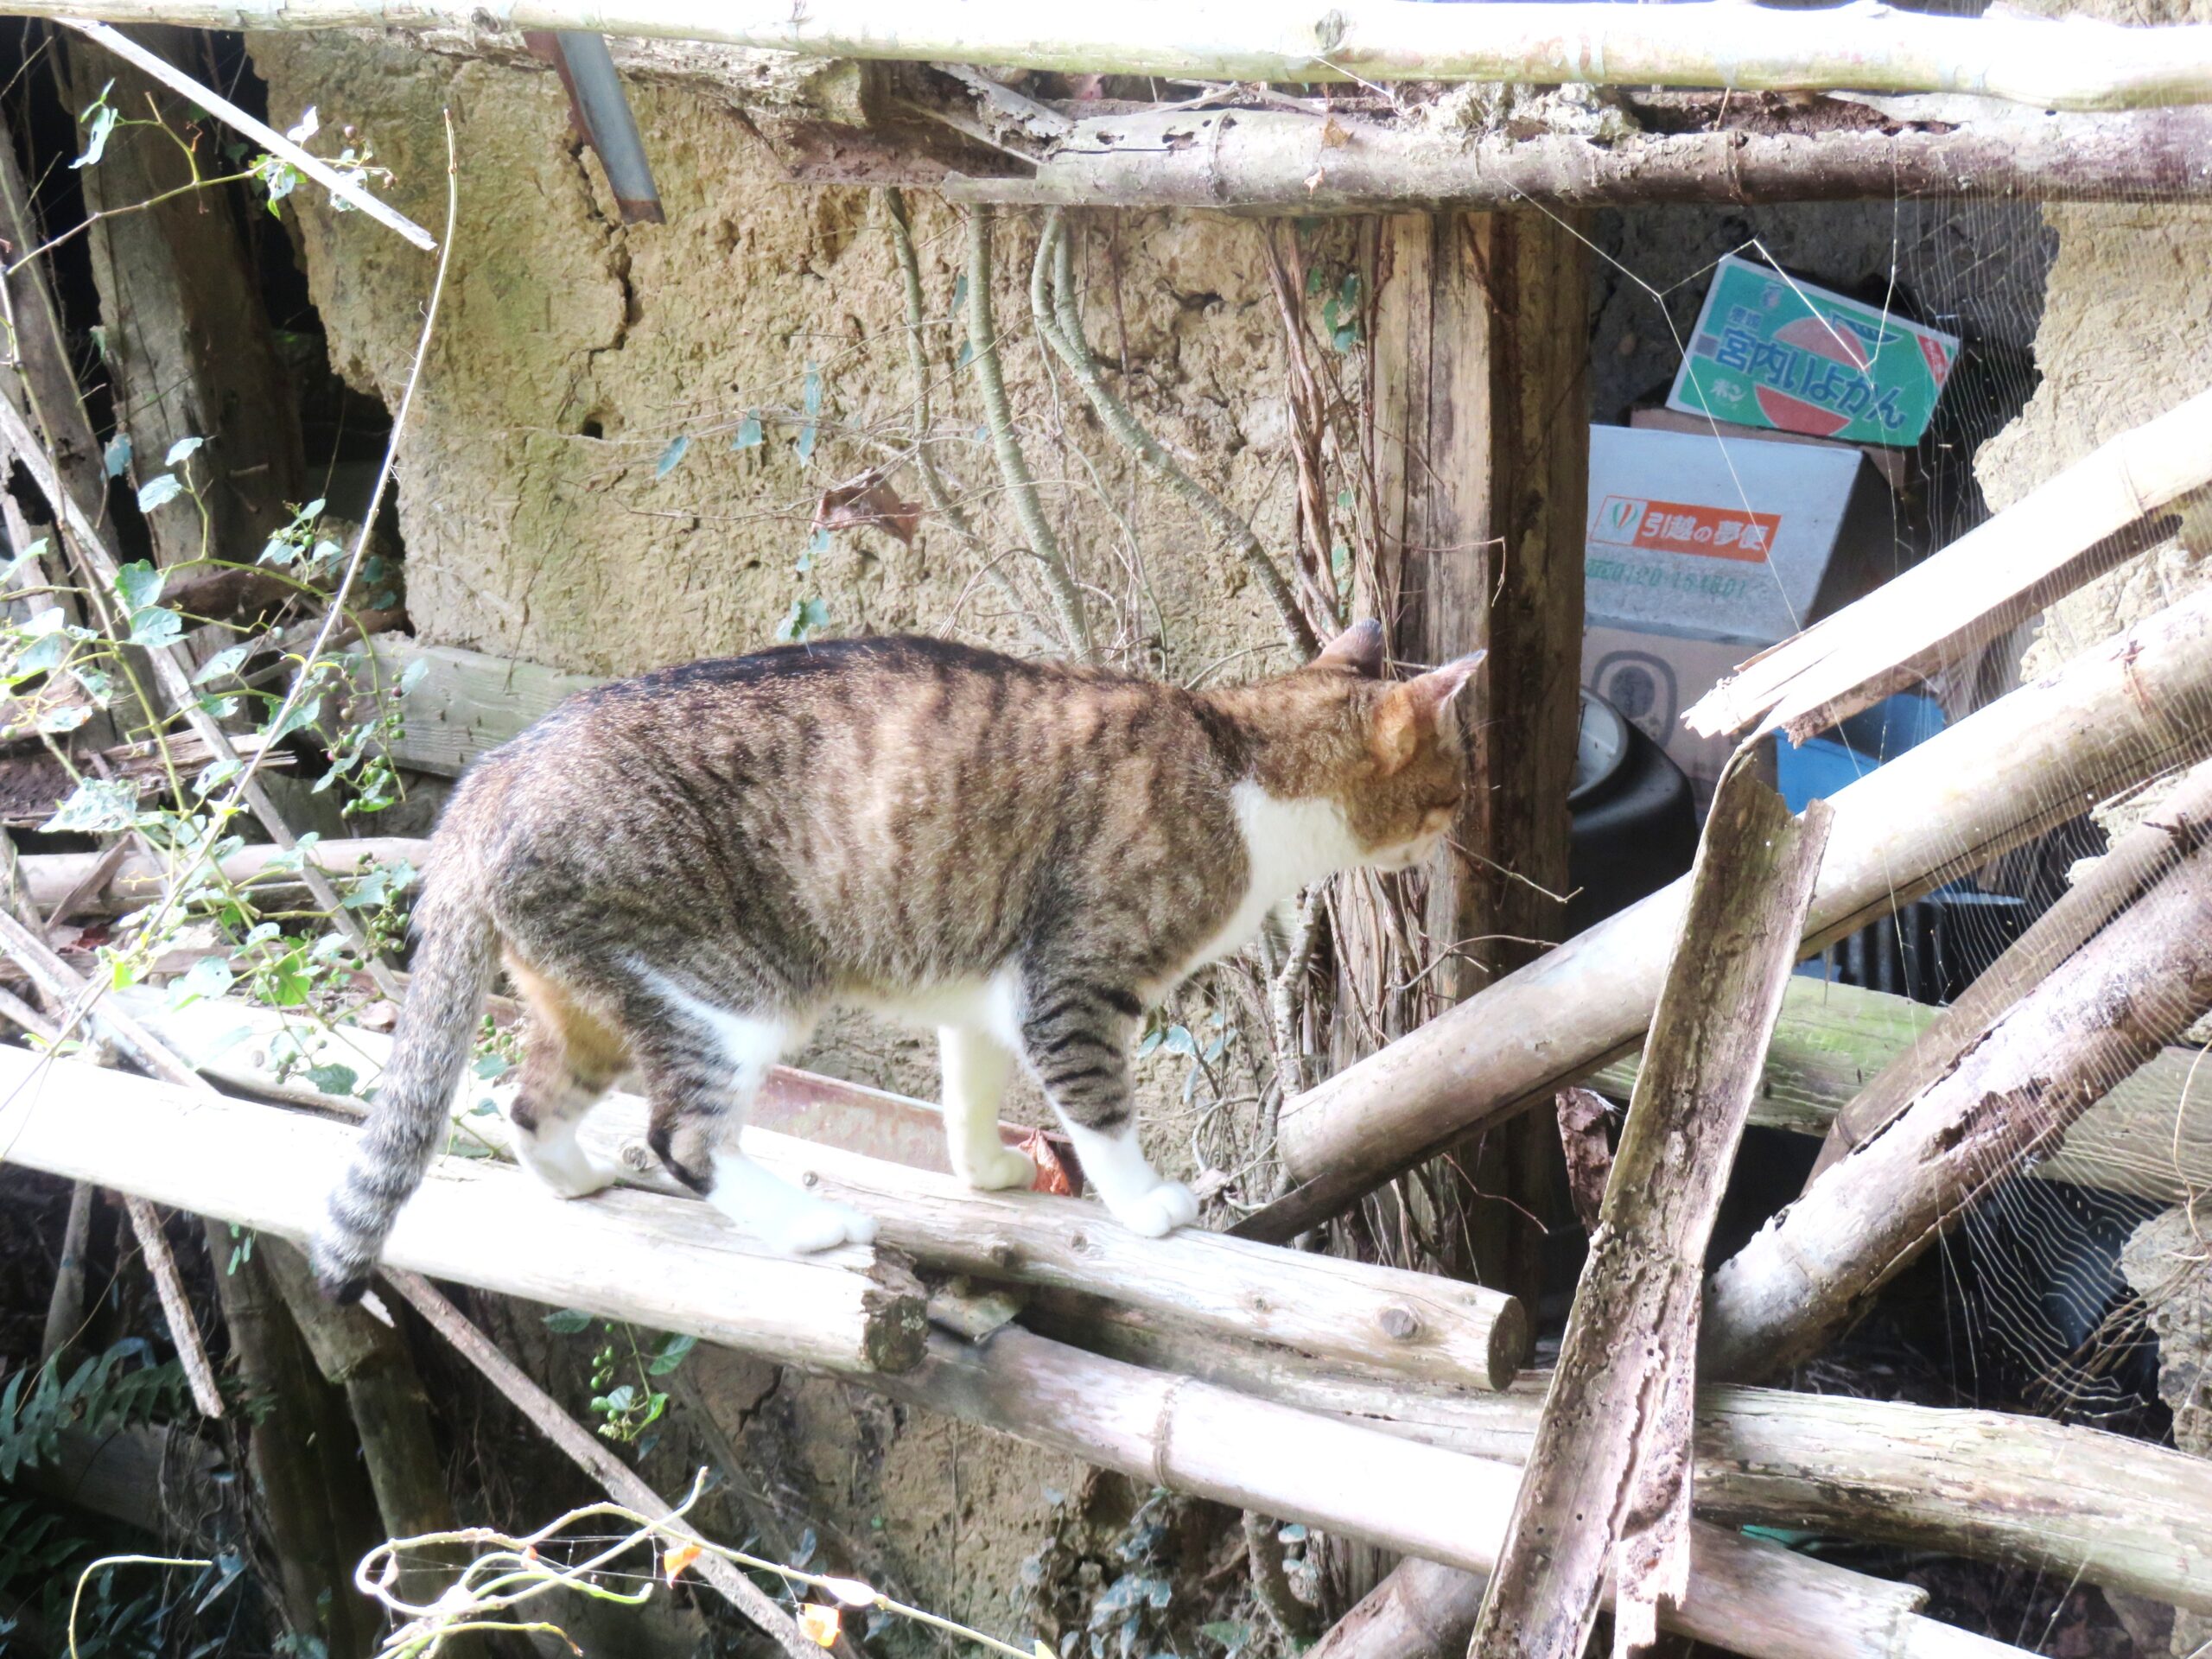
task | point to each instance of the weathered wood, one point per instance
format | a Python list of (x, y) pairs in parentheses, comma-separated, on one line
[(620, 1482), (2077, 64), (2151, 1136), (190, 351), (1606, 1495), (2027, 762), (2062, 534), (1410, 1324), (2138, 859), (140, 878), (1746, 1596), (33, 784), (65, 1307), (1284, 161), (2067, 1501), (639, 1256), (2108, 1009), (464, 703), (1422, 1609)]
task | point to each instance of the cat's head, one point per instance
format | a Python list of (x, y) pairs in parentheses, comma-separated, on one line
[(1391, 752)]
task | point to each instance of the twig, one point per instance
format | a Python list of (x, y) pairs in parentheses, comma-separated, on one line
[(1052, 301), (65, 1309), (1014, 466), (276, 143), (593, 1456), (933, 485), (62, 982)]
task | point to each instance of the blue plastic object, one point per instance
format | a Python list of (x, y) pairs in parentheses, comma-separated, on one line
[(1821, 766)]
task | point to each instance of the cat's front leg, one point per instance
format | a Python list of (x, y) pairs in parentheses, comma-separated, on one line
[(976, 1067), (1076, 1038)]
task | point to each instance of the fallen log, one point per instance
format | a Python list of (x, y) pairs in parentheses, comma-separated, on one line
[(2060, 535), (1412, 1325), (2029, 761), (1744, 1595), (2136, 860), (1605, 1497), (2151, 1136), (139, 878), (2067, 1501), (1285, 162), (662, 1263), (1812, 1270), (2076, 64)]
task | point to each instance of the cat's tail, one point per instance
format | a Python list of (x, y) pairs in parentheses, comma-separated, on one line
[(457, 951)]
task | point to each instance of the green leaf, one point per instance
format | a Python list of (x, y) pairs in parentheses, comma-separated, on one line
[(334, 1079), (209, 976), (215, 774), (117, 456), (671, 1355), (568, 1321), (748, 432), (678, 446), (159, 492), (181, 449), (412, 675), (808, 617), (96, 806), (54, 721), (225, 661), (102, 117), (303, 715), (138, 584), (492, 1067), (155, 627)]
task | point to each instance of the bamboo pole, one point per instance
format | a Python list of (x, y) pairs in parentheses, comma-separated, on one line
[(1285, 162), (2030, 760), (669, 1264), (2049, 542), (2138, 859), (1746, 1596), (1814, 1269), (2066, 1501), (139, 878), (2074, 64), (1411, 1325), (1605, 1497)]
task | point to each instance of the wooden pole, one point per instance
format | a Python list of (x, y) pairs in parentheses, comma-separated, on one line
[(2077, 64), (138, 878), (2108, 1008), (2061, 1501), (2028, 761), (1606, 1494), (1282, 161), (1746, 1596)]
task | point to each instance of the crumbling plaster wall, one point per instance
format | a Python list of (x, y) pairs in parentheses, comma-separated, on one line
[(573, 352)]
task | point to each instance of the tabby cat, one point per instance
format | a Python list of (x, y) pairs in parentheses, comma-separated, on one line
[(681, 871)]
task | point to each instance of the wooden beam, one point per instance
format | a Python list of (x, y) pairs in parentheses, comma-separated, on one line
[(1287, 162), (2031, 760), (2075, 64), (643, 1257), (1605, 1499), (139, 878), (463, 702), (1746, 1596), (1814, 1269), (2068, 1501)]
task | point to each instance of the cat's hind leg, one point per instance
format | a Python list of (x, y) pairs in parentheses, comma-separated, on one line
[(703, 1066), (976, 1067), (570, 1058), (1076, 1033)]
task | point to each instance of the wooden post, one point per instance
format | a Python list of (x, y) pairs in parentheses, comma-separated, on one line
[(1478, 442), (190, 351)]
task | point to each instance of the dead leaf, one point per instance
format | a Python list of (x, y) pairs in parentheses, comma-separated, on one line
[(1333, 135), (867, 503), (676, 1559), (1314, 180), (1051, 1171), (378, 1016), (821, 1624)]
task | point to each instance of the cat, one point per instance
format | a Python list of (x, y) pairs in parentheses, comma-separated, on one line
[(682, 870)]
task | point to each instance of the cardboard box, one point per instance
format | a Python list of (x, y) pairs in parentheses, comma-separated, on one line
[(1743, 542), (1894, 465), (1771, 351), (1651, 678)]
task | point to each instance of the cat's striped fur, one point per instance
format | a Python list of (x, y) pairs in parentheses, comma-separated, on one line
[(682, 870)]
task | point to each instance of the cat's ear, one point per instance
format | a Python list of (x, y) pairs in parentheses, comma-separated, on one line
[(1358, 648), (1410, 712)]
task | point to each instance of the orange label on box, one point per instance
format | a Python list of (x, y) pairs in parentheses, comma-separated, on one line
[(1680, 527)]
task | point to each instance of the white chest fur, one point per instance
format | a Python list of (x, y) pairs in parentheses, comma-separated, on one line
[(1288, 846)]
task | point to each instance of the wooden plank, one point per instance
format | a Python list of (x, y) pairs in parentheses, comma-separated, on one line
[(464, 702), (1606, 1495), (140, 878), (2112, 1006), (2029, 761), (644, 1257)]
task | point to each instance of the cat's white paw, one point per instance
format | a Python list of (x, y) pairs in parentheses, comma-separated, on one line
[(566, 1170), (1158, 1212), (582, 1180), (818, 1224), (999, 1169)]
